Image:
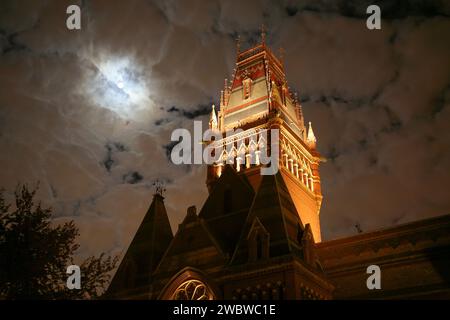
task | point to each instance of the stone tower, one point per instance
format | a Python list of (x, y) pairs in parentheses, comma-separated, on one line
[(258, 99), (257, 235)]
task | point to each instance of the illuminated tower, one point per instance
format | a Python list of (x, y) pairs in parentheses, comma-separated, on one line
[(258, 98), (256, 236)]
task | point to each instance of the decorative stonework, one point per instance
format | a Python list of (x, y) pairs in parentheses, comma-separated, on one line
[(307, 293), (192, 290), (257, 238), (264, 291), (296, 162)]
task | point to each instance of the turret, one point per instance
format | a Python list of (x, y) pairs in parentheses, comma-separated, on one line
[(311, 138), (213, 118)]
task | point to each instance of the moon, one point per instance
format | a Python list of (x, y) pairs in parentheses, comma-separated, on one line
[(120, 86)]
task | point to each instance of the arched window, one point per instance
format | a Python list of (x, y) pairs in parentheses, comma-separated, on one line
[(192, 290), (189, 284), (258, 241)]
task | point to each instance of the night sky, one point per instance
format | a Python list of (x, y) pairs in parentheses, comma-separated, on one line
[(89, 113)]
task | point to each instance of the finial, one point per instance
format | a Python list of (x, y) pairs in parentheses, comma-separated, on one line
[(238, 44), (281, 52), (311, 138), (192, 211), (263, 34), (159, 187), (226, 88), (213, 118)]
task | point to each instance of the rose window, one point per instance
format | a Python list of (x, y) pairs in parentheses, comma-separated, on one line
[(192, 290)]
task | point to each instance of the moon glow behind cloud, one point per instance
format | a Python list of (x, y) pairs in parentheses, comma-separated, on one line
[(119, 85)]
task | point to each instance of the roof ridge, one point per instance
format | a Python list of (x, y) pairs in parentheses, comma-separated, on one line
[(274, 183), (155, 232), (281, 207)]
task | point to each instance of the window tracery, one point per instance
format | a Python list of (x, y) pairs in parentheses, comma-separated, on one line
[(192, 290)]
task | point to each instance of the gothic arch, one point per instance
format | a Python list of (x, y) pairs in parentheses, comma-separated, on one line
[(258, 241), (189, 284)]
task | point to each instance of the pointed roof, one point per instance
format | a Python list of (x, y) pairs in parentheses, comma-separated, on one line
[(311, 139), (268, 90), (191, 216), (275, 210), (275, 94), (146, 249), (192, 235), (213, 118), (225, 221), (240, 191)]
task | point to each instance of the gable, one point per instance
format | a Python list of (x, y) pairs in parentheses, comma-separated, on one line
[(145, 250), (273, 209), (231, 193), (193, 245)]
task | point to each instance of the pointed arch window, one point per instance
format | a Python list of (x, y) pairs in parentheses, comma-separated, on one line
[(189, 284), (258, 242), (192, 289)]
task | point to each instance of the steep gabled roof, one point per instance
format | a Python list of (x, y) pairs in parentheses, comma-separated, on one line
[(227, 229), (193, 236), (226, 225), (275, 210), (240, 195), (146, 249)]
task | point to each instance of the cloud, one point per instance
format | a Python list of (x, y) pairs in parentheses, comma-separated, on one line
[(378, 100)]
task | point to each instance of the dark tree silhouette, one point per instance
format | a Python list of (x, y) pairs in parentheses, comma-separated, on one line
[(35, 253)]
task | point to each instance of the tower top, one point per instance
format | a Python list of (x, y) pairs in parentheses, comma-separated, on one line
[(159, 187), (259, 99), (311, 138), (213, 118), (259, 86), (238, 44), (263, 34)]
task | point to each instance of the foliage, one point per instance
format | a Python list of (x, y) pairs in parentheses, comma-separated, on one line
[(35, 253)]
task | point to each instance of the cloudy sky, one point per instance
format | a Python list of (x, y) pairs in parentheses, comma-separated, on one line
[(89, 113)]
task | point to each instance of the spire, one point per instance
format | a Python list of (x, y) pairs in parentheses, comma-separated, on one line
[(226, 92), (222, 102), (238, 45), (298, 109), (275, 95), (281, 53), (193, 235), (311, 139), (191, 216), (145, 251), (307, 241), (275, 210), (263, 34), (213, 118), (159, 187)]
